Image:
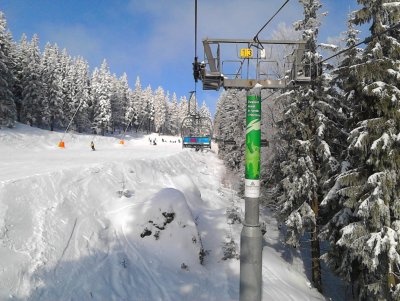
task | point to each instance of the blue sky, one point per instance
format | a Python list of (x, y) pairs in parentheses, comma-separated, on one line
[(154, 39)]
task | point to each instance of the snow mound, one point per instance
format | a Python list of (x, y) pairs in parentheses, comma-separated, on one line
[(167, 228), (101, 232)]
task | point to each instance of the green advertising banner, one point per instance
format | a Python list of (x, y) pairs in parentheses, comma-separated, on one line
[(253, 137), (253, 144)]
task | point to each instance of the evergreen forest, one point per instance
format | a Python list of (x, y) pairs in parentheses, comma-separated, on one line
[(331, 172)]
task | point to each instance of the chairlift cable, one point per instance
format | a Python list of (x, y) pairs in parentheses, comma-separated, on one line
[(269, 21), (195, 28), (273, 93), (195, 42), (196, 66), (365, 41)]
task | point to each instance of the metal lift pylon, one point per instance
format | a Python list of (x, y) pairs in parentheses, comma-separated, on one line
[(211, 71)]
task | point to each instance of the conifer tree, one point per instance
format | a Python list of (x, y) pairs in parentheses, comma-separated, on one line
[(81, 98), (229, 126), (19, 53), (343, 86), (204, 110), (52, 81), (147, 109), (66, 71), (32, 86), (116, 103), (167, 120), (310, 124), (183, 109), (173, 112), (371, 184), (7, 104), (133, 109), (159, 109), (101, 99)]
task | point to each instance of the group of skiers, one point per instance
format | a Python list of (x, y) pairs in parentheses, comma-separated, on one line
[(154, 141), (171, 141)]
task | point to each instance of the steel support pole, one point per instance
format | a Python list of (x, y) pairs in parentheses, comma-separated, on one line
[(251, 237)]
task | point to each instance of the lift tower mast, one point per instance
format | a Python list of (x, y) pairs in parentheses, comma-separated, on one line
[(249, 70)]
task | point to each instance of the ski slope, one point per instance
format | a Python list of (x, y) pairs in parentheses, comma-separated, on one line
[(126, 222)]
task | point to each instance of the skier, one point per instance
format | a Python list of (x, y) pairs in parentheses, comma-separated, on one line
[(92, 146), (154, 141)]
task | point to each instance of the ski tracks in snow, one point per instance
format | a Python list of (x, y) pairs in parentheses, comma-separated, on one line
[(138, 255), (67, 245)]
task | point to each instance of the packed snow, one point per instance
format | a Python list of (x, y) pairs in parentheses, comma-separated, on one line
[(126, 222)]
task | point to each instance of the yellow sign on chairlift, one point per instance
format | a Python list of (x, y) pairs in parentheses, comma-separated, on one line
[(246, 53)]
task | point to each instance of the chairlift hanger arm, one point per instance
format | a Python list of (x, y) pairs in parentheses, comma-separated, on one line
[(195, 64)]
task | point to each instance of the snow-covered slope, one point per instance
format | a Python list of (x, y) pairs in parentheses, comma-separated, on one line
[(132, 222)]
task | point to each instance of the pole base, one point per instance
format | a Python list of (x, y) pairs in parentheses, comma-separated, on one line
[(250, 263)]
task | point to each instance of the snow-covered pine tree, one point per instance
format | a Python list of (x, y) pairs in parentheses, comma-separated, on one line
[(7, 104), (19, 52), (74, 91), (173, 112), (119, 101), (32, 86), (159, 109), (344, 83), (166, 127), (81, 97), (147, 109), (272, 109), (204, 110), (125, 94), (65, 62), (310, 129), (133, 108), (218, 119), (52, 80), (182, 110), (229, 125), (371, 185), (101, 99)]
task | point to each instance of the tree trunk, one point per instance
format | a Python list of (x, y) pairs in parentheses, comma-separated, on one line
[(391, 279), (315, 249), (51, 123), (18, 106)]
